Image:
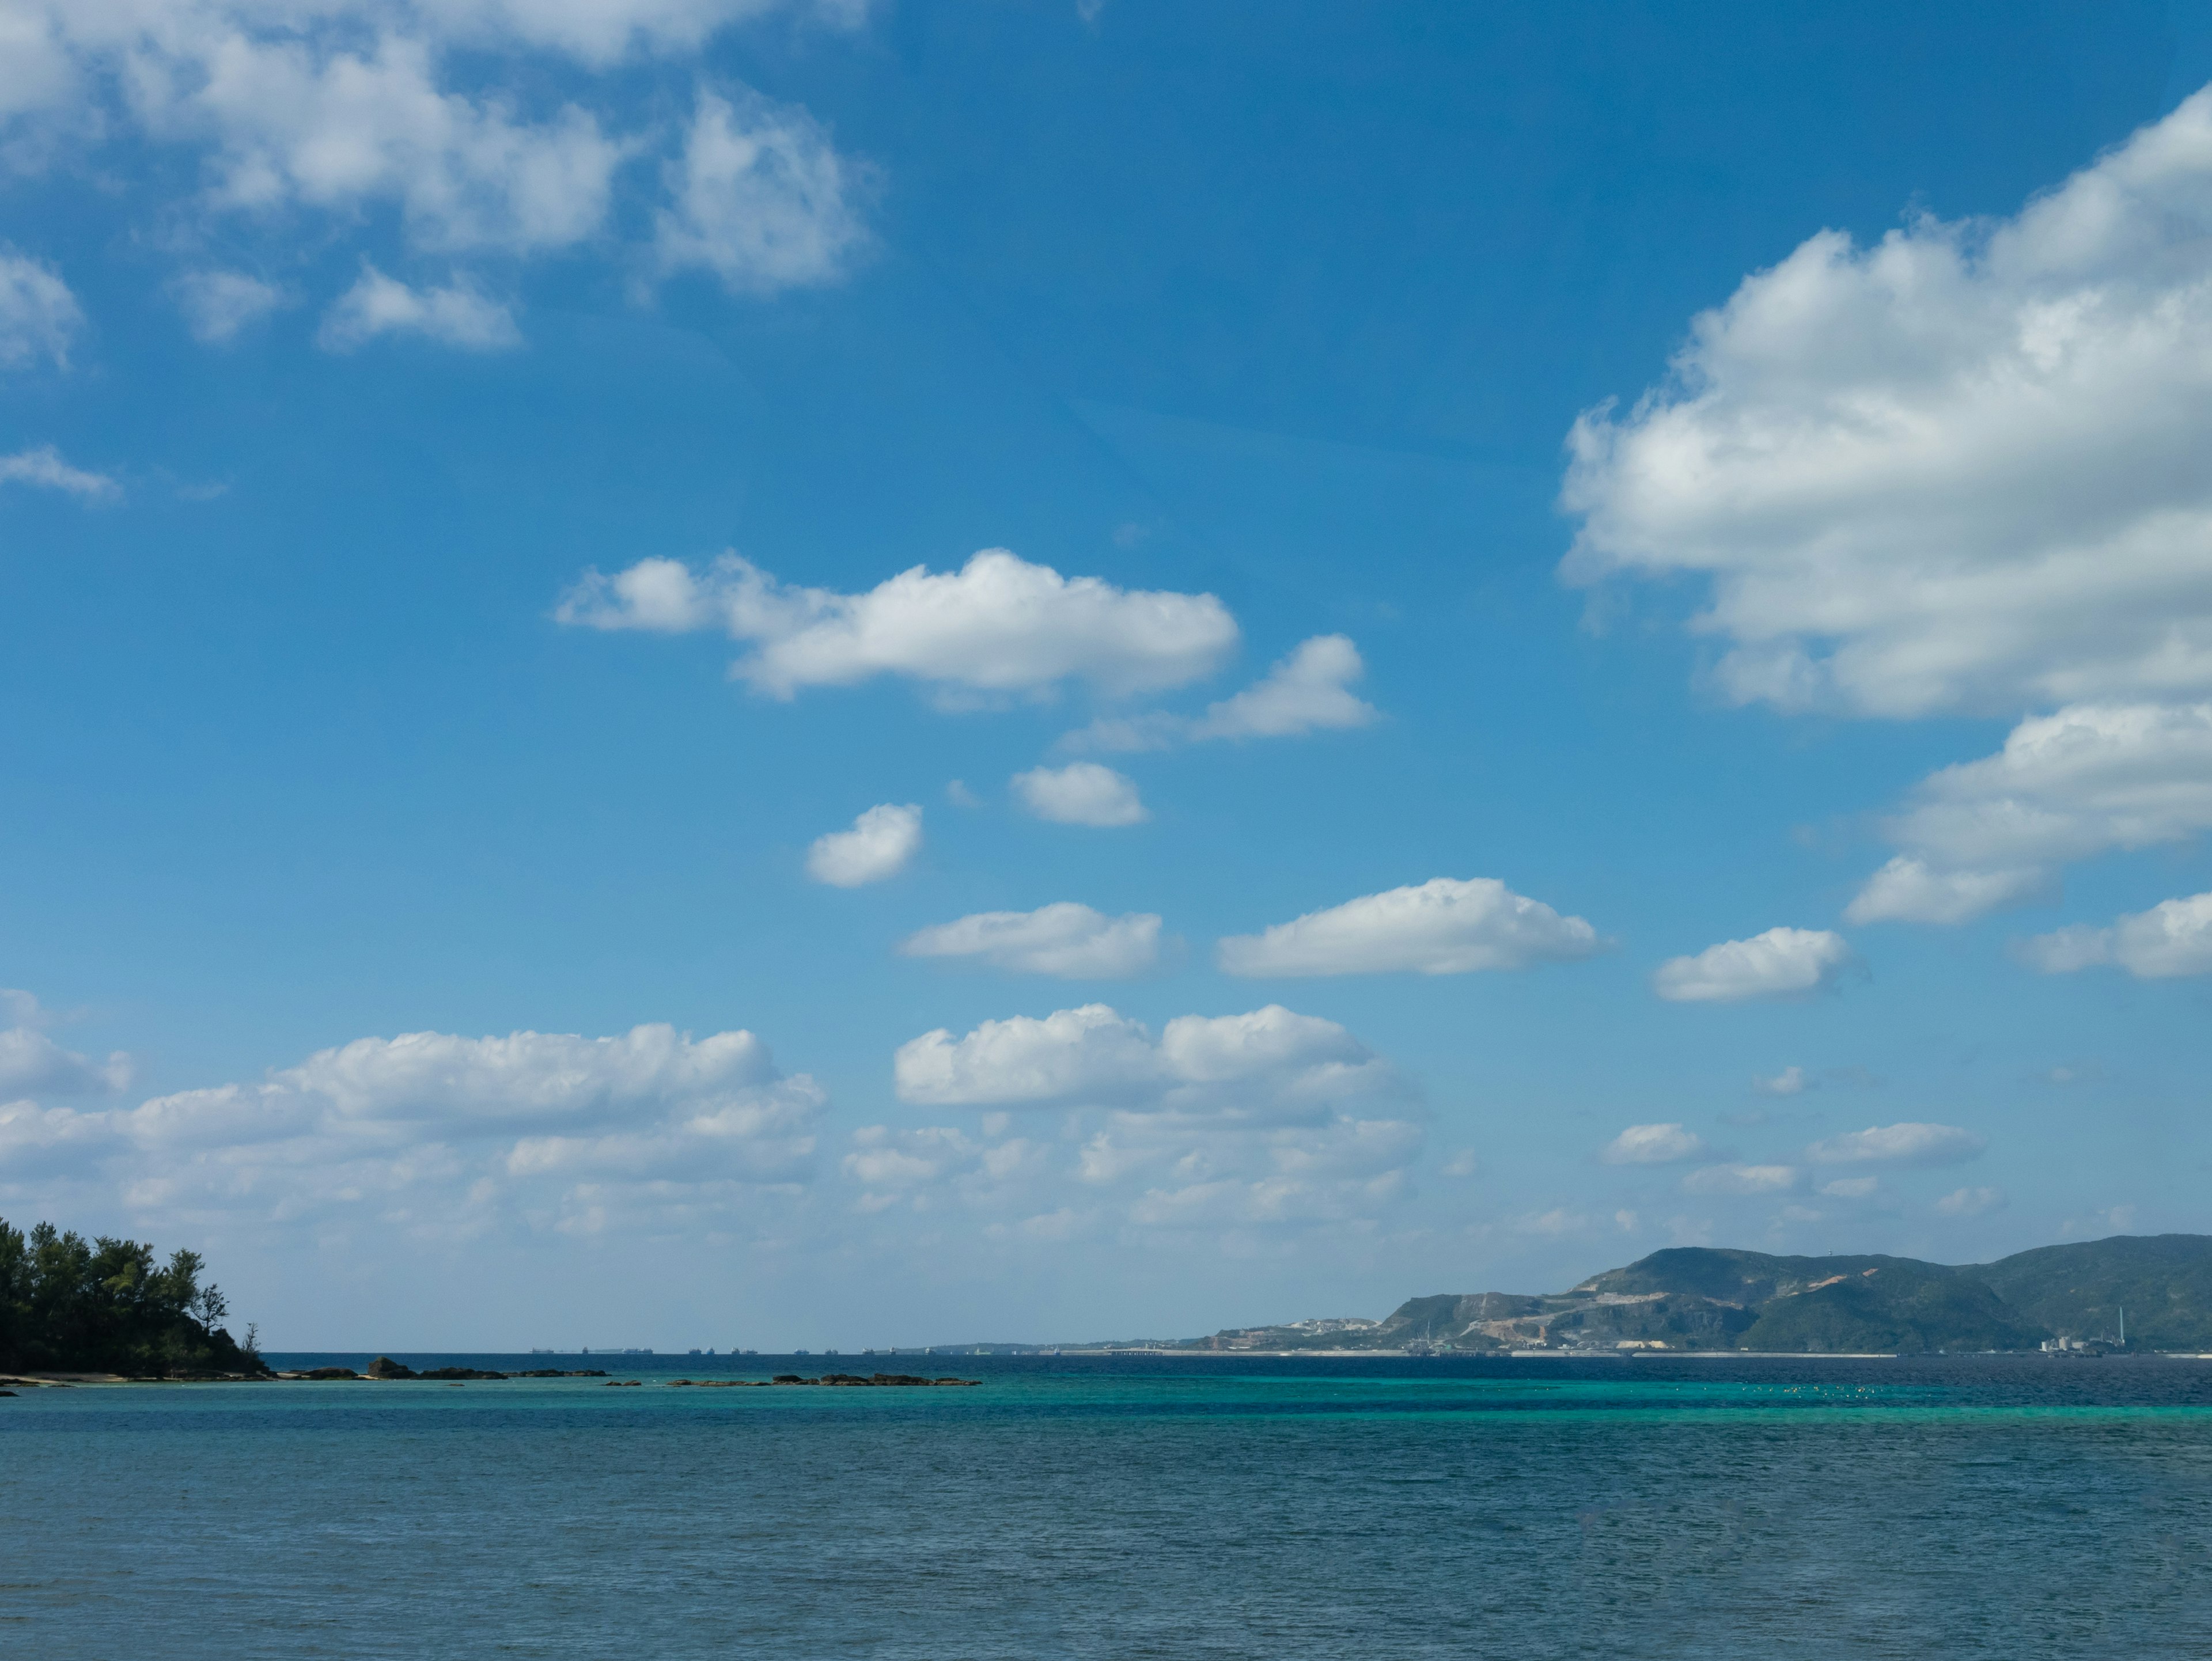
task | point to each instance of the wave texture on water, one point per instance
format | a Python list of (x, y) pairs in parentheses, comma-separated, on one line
[(1111, 1507)]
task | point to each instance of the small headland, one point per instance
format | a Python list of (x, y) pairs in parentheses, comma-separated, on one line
[(107, 1310)]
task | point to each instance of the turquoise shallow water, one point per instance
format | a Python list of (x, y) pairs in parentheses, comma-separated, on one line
[(2020, 1507)]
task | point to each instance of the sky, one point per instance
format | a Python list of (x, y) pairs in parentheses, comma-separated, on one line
[(776, 673)]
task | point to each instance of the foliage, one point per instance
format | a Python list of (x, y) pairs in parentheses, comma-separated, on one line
[(1899, 1305), (68, 1305), (2163, 1281)]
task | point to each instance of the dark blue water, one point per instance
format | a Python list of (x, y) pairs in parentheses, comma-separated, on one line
[(2005, 1506)]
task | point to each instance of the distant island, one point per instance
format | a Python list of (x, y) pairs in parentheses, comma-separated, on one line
[(2140, 1293)]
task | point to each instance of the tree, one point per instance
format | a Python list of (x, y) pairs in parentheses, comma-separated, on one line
[(69, 1305)]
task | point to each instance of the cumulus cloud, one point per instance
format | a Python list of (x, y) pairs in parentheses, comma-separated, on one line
[(998, 626), (879, 845), (560, 1128), (1442, 926), (603, 33), (1220, 1177), (2174, 938), (1958, 470), (39, 315), (1270, 1064), (1741, 1179), (1309, 691), (759, 198), (32, 1063), (1065, 939), (217, 303), (343, 106), (1081, 793), (457, 315), (292, 120), (920, 1164), (45, 468), (1908, 889), (1971, 1201), (1780, 963), (1899, 1144), (1652, 1144), (1260, 1121), (1789, 1082), (2084, 780)]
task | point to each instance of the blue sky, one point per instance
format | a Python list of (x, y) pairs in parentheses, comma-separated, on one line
[(1604, 641)]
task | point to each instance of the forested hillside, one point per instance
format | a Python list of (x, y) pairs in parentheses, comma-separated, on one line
[(68, 1305)]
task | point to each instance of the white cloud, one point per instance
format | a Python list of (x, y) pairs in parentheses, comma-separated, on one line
[(1851, 1187), (44, 466), (1789, 1082), (918, 1164), (1461, 1164), (1278, 1176), (999, 626), (32, 1062), (433, 1129), (311, 121), (2065, 786), (1741, 1179), (879, 845), (1065, 939), (605, 31), (1908, 889), (1309, 691), (457, 315), (1264, 1120), (1899, 1144), (218, 303), (1780, 963), (1652, 1144), (760, 198), (1442, 926), (444, 113), (38, 315), (1971, 1201), (1269, 1065), (2174, 938), (1959, 471), (1081, 793), (35, 73)]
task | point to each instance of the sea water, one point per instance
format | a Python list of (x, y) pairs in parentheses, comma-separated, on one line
[(1070, 1507)]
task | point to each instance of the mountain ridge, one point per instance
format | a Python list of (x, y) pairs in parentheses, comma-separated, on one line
[(1708, 1298)]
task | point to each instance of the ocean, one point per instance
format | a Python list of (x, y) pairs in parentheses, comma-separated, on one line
[(1126, 1506)]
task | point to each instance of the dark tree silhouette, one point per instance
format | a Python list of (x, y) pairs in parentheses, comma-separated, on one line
[(106, 1306)]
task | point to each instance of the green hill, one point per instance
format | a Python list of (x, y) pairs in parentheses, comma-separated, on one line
[(1706, 1298), (1749, 1278), (1899, 1305), (1832, 1304), (2163, 1281)]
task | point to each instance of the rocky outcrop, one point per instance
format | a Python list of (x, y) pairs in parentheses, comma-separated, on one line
[(852, 1379)]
